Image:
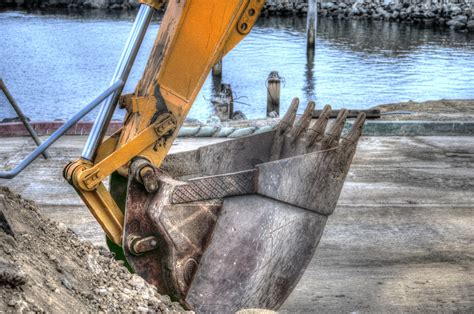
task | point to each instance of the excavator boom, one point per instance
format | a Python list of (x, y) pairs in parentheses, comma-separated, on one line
[(192, 37), (227, 226)]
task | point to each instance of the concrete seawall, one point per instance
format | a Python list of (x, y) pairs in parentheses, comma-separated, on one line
[(443, 117), (372, 128)]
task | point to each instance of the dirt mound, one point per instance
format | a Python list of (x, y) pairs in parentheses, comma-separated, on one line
[(44, 267)]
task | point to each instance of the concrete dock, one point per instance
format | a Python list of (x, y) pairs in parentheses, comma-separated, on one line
[(400, 240)]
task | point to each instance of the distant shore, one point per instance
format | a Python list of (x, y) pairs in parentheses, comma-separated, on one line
[(455, 16)]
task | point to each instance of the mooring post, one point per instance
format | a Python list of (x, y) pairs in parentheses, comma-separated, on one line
[(217, 78), (217, 69), (311, 23), (273, 94), (22, 116)]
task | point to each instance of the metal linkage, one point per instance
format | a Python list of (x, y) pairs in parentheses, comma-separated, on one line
[(122, 71), (111, 96), (59, 132), (22, 116)]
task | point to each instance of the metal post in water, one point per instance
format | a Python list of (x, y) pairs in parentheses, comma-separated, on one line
[(273, 94), (311, 24), (217, 69), (22, 116), (122, 71)]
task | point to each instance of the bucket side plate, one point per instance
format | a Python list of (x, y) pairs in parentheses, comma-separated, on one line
[(259, 250)]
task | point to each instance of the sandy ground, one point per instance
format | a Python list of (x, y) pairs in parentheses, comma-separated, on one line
[(400, 239), (433, 110)]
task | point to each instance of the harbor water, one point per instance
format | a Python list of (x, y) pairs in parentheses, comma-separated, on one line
[(55, 62)]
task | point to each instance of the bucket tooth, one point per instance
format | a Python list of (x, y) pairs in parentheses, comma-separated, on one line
[(356, 130), (302, 125), (295, 139), (316, 131), (331, 138), (285, 125), (289, 119)]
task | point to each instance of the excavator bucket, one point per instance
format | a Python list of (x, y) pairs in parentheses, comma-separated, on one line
[(224, 227), (234, 225)]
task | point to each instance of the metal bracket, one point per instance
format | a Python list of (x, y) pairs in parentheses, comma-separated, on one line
[(249, 17), (86, 178), (89, 178)]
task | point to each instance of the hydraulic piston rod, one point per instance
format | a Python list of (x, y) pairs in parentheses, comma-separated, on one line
[(122, 71)]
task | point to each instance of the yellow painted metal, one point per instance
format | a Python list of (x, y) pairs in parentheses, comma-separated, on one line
[(88, 179), (107, 146), (105, 211), (99, 201), (156, 4), (193, 36), (249, 16)]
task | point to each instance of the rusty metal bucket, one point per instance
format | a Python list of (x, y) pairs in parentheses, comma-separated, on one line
[(234, 225)]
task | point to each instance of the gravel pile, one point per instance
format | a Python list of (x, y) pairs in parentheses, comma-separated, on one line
[(44, 267)]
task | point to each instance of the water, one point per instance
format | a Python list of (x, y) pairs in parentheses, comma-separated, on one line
[(55, 63)]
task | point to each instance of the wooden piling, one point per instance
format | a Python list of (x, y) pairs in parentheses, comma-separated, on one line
[(311, 23), (273, 94), (224, 103), (217, 69)]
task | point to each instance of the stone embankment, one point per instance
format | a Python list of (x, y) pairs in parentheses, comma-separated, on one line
[(71, 4), (457, 16)]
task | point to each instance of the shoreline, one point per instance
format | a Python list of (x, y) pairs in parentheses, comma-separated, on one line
[(435, 117), (454, 16)]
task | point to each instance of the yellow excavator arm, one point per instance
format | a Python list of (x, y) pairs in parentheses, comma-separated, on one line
[(227, 226), (193, 36), (223, 227), (239, 231)]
